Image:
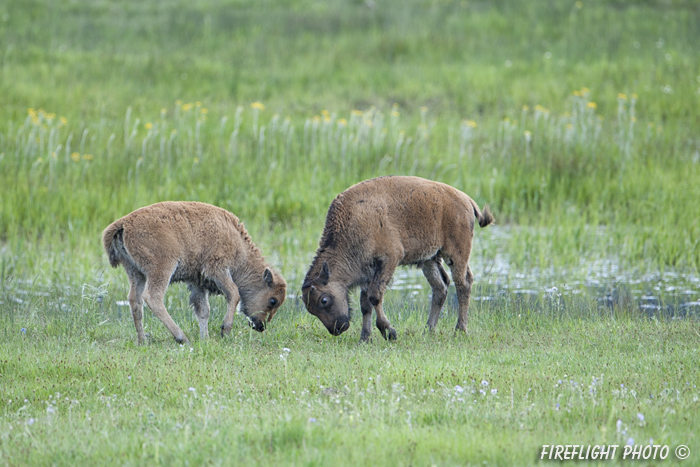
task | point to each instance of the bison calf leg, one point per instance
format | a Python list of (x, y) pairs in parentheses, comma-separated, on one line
[(439, 282), (366, 308), (384, 268), (155, 295), (383, 323), (137, 285), (200, 303), (464, 289), (225, 283)]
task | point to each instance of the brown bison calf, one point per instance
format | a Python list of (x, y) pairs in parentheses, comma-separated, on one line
[(379, 224), (199, 244)]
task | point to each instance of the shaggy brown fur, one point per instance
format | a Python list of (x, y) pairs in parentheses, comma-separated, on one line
[(199, 244), (379, 224)]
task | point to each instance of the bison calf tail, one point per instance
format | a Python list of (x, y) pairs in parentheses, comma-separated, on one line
[(108, 238), (484, 217)]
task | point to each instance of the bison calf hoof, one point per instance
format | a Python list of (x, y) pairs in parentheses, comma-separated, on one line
[(388, 333)]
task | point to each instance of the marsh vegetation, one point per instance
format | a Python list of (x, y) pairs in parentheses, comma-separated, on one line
[(577, 122)]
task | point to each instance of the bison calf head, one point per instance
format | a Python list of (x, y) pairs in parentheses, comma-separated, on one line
[(263, 301), (328, 301)]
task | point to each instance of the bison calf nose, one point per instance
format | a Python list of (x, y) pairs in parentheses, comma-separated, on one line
[(256, 323), (340, 327)]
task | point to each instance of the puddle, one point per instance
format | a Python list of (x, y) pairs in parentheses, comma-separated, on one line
[(601, 283), (604, 282)]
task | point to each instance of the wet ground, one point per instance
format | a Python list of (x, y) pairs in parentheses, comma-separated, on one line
[(666, 294), (600, 285)]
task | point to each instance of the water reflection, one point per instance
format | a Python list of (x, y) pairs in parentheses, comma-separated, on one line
[(663, 294)]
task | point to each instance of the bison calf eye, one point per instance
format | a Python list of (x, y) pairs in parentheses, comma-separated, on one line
[(273, 302), (325, 301)]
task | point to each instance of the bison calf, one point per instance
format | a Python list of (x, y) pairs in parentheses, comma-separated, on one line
[(379, 224), (199, 244)]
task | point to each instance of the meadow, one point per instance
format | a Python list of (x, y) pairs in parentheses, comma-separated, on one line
[(575, 121)]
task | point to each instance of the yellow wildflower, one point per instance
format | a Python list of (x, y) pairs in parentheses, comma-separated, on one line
[(325, 113), (592, 105), (148, 125), (569, 126), (198, 103), (163, 111), (424, 109), (63, 120), (577, 93), (257, 105), (634, 95), (394, 113), (316, 119), (204, 110), (53, 155), (196, 160), (579, 4), (622, 97), (39, 160), (87, 157), (75, 157), (357, 113), (342, 122), (584, 91), (525, 108), (178, 103), (470, 123)]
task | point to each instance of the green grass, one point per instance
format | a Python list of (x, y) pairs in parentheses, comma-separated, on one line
[(76, 389), (576, 121), (477, 95)]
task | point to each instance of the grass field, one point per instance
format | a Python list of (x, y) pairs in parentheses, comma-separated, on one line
[(576, 121)]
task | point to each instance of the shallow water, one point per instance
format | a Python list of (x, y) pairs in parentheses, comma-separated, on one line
[(602, 284), (604, 281), (669, 294)]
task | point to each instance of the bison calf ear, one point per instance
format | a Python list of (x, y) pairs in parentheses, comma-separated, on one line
[(325, 273), (267, 276)]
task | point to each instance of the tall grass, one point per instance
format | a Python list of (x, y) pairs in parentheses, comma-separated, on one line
[(565, 116), (575, 120), (566, 173)]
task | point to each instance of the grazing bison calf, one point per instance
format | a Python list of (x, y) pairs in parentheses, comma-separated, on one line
[(379, 224), (199, 244)]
